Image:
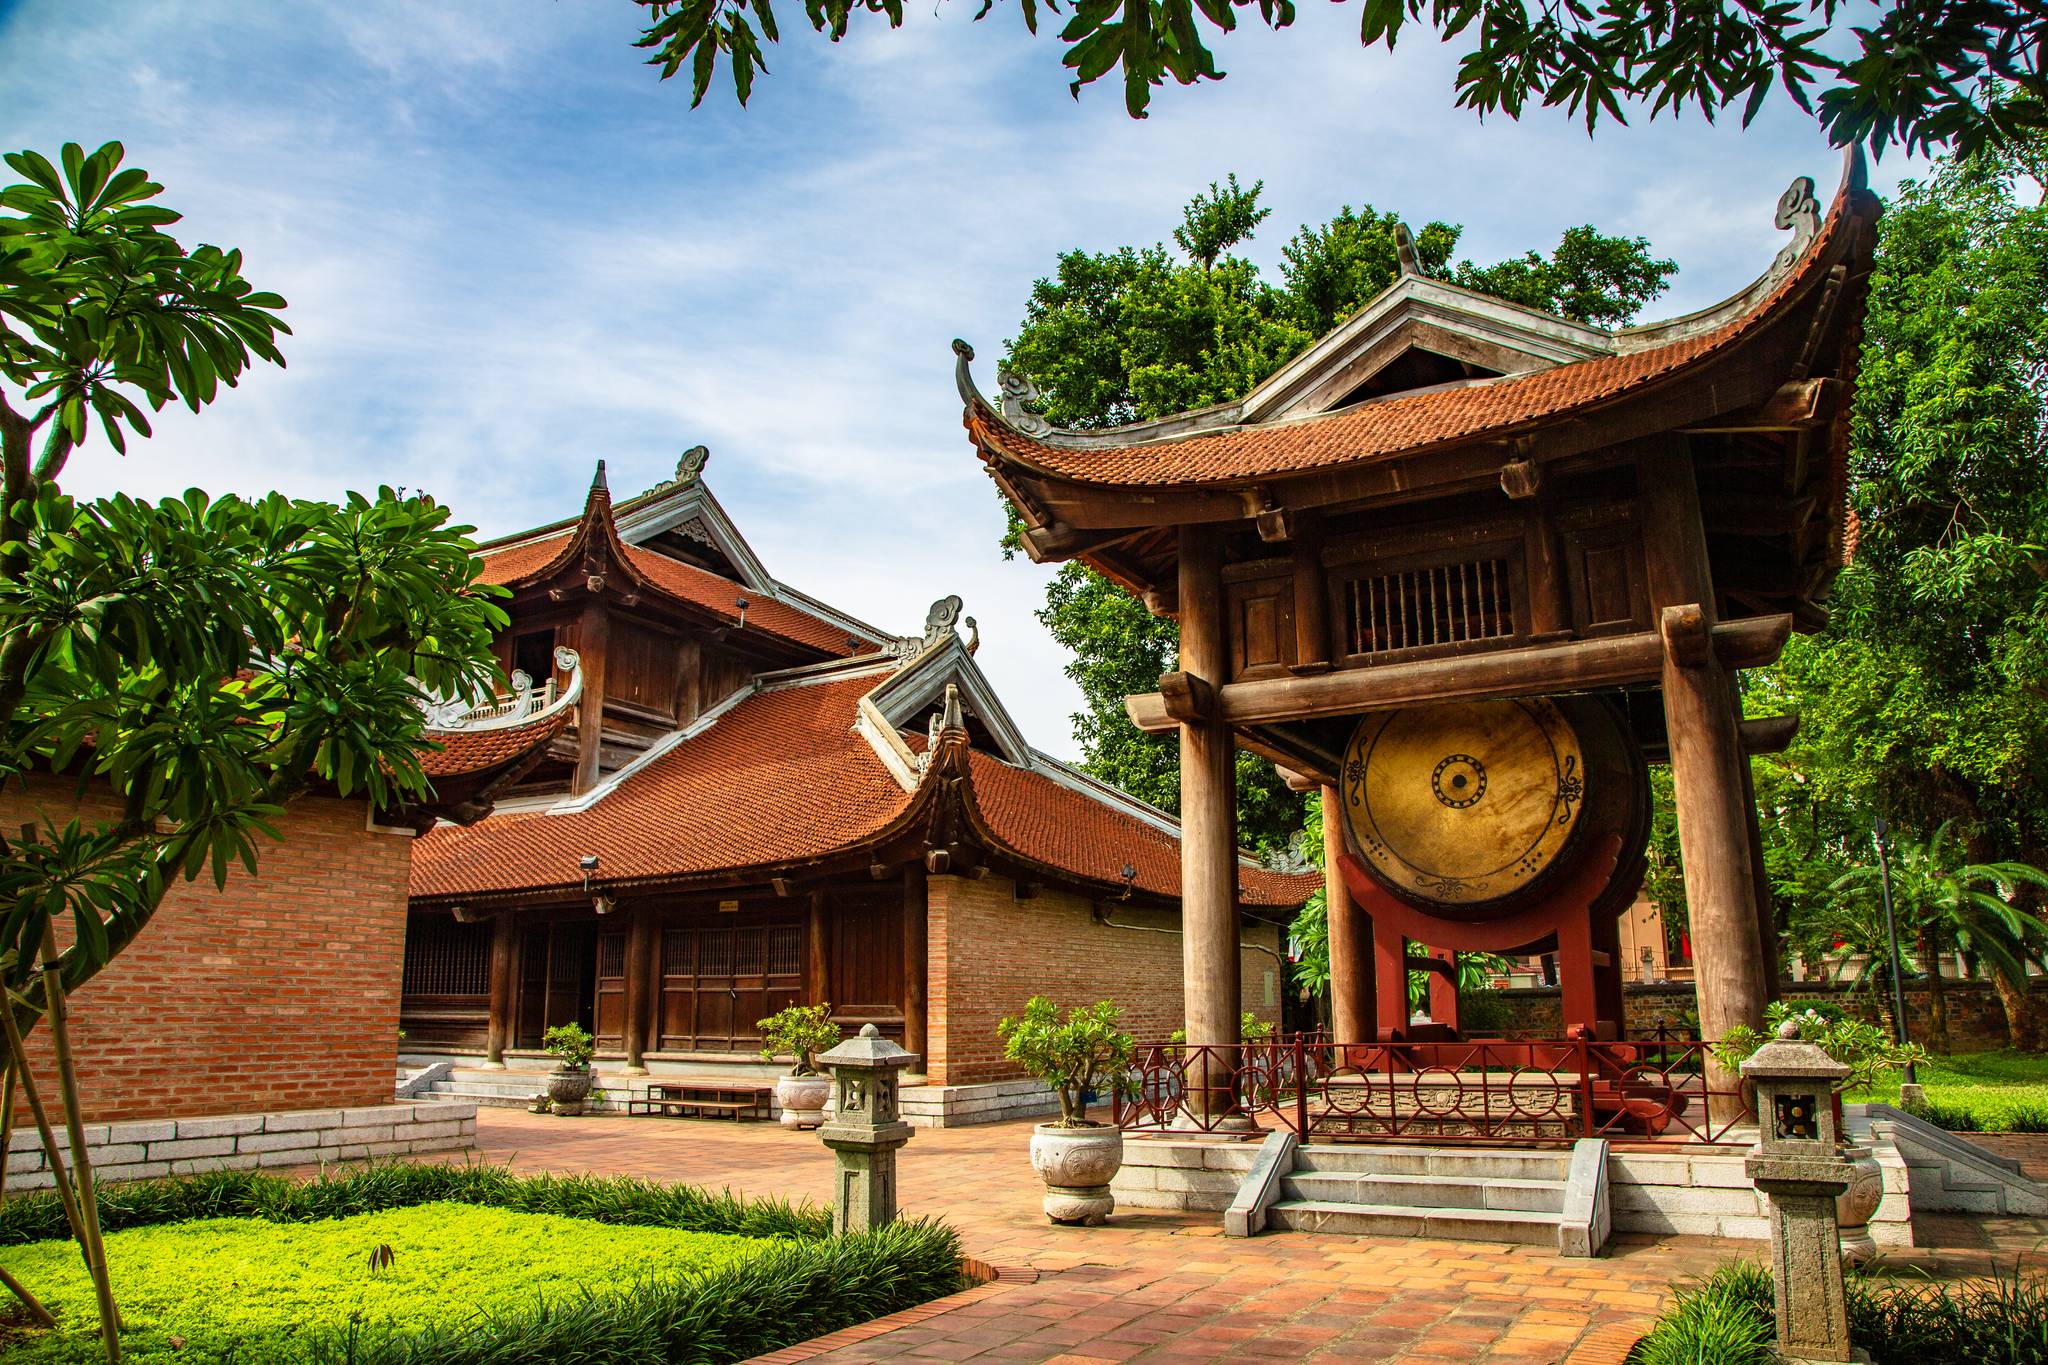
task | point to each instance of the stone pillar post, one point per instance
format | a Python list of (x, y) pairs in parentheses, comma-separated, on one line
[(1799, 1165), (865, 1130)]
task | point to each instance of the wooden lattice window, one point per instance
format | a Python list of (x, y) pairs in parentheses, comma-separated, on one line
[(1419, 608), (444, 957), (611, 955)]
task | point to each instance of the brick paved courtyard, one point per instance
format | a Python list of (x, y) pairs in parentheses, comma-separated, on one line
[(1160, 1286)]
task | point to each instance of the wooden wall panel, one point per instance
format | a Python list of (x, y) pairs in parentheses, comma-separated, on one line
[(866, 958)]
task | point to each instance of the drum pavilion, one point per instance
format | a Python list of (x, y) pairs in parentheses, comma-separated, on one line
[(1467, 567), (761, 800)]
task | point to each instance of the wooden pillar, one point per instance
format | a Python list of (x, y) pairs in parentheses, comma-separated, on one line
[(1311, 601), (817, 966), (1707, 762), (1208, 805), (504, 978), (592, 634), (1609, 999), (1766, 906), (1443, 989), (916, 929), (1390, 963), (1352, 1011), (640, 949)]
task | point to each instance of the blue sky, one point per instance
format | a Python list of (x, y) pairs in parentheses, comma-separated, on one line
[(510, 250)]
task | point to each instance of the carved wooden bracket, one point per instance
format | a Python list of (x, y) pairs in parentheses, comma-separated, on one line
[(1189, 699), (1686, 639), (1521, 479)]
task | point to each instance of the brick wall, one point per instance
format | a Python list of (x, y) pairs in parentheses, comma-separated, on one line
[(989, 952), (280, 992), (1976, 1019)]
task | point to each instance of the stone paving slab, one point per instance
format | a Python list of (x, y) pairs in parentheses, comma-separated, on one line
[(1160, 1286)]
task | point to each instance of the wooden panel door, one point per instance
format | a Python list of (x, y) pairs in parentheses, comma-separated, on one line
[(866, 959), (611, 989), (719, 977)]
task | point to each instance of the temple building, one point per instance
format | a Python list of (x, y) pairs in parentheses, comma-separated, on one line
[(762, 800), (1468, 567)]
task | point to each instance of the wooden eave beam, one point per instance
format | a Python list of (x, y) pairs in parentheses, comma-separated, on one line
[(1579, 666), (1801, 405)]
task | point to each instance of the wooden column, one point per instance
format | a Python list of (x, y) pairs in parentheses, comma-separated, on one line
[(1609, 978), (1766, 907), (1390, 964), (1352, 994), (1311, 601), (916, 926), (504, 978), (1208, 805), (592, 633), (640, 950), (1707, 761), (1443, 989), (817, 978)]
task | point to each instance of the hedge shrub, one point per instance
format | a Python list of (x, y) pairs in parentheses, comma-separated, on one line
[(39, 1217)]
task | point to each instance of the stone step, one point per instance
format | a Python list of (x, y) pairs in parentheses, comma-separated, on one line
[(1426, 1191), (1450, 1163), (1408, 1220)]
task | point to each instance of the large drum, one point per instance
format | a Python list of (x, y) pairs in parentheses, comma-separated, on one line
[(1469, 809)]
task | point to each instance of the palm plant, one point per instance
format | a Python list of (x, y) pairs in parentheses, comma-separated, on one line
[(1944, 901)]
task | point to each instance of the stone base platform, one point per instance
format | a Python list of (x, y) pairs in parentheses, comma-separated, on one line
[(461, 1077), (143, 1148)]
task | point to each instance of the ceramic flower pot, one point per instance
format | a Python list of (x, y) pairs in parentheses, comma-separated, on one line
[(568, 1088), (1077, 1165), (803, 1100)]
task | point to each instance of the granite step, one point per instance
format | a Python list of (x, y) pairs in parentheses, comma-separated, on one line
[(1521, 1226), (1426, 1191)]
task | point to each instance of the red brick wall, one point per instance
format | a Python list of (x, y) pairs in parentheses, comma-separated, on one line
[(280, 992), (990, 952)]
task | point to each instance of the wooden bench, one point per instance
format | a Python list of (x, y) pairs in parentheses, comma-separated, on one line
[(702, 1096)]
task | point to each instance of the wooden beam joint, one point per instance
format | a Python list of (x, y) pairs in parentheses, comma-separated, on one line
[(1189, 700)]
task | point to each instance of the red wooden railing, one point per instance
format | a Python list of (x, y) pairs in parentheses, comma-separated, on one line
[(1493, 1091)]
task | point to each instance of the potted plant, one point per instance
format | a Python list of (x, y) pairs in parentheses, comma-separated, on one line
[(569, 1083), (1868, 1051), (1075, 1157), (800, 1032)]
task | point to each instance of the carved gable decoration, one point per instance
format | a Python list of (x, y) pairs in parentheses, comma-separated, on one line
[(1420, 333)]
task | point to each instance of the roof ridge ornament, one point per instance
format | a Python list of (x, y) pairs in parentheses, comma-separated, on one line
[(1016, 389), (1406, 253), (690, 467), (1799, 212)]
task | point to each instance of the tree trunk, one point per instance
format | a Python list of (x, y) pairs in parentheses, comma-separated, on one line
[(2020, 1031), (1929, 949)]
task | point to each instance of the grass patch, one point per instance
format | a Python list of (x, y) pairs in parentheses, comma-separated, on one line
[(617, 1200), (1726, 1319), (2002, 1091), (258, 1289), (690, 1299)]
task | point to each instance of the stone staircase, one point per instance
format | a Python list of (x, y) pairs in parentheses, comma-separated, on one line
[(516, 1089), (1485, 1196)]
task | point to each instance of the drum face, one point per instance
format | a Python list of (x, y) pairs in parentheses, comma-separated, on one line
[(1466, 805)]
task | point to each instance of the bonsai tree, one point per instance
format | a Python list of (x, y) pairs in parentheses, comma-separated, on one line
[(1075, 1058), (571, 1045), (1867, 1050), (800, 1032)]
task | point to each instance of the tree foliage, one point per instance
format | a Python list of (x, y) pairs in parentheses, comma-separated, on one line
[(1137, 333), (1961, 73), (203, 660)]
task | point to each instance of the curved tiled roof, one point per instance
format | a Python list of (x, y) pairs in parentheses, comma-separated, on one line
[(471, 751), (1397, 425), (1049, 823), (778, 779), (783, 779), (516, 563)]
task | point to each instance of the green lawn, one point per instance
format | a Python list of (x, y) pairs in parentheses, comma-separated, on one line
[(1996, 1090), (189, 1291)]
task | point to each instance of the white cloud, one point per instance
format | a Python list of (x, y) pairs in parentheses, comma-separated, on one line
[(510, 251)]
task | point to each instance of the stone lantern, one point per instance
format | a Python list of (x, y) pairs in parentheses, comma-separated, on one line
[(865, 1131), (1800, 1166)]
